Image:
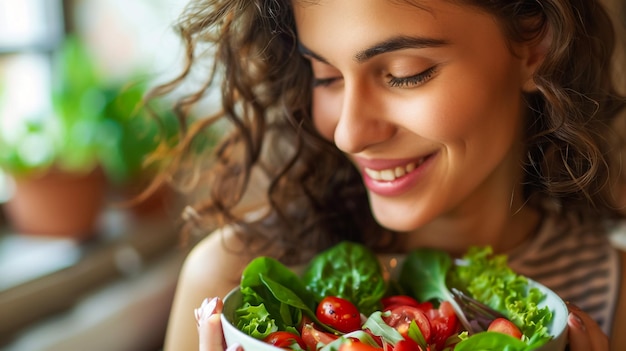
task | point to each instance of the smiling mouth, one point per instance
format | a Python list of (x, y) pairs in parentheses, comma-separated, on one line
[(391, 174)]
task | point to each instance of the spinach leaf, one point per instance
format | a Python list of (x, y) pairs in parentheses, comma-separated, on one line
[(252, 277), (491, 341), (423, 275), (274, 298), (350, 271)]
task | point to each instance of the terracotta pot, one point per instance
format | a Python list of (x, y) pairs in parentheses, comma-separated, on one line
[(57, 204)]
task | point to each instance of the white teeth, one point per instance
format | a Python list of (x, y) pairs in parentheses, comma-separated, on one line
[(399, 172), (387, 175), (392, 174)]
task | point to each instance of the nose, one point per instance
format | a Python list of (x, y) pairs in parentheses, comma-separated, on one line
[(362, 122)]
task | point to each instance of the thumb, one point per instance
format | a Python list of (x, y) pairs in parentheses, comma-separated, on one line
[(209, 325)]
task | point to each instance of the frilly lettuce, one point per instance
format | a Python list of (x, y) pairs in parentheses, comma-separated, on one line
[(489, 279), (429, 274)]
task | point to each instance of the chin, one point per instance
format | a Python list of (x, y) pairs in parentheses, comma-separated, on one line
[(400, 221)]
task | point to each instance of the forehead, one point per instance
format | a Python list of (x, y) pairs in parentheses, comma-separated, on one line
[(342, 25)]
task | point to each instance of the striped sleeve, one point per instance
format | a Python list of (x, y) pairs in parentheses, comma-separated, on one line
[(577, 262)]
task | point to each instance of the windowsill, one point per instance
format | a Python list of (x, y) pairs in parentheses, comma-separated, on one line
[(129, 264)]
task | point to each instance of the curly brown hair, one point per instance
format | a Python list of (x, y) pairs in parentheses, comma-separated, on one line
[(314, 194)]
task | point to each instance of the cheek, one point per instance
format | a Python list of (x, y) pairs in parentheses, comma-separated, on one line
[(326, 110)]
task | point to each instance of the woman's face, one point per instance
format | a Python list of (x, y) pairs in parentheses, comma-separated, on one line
[(426, 101)]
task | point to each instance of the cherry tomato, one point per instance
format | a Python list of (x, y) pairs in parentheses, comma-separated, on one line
[(402, 316), (313, 337), (357, 346), (443, 323), (284, 340), (407, 344), (339, 313), (391, 302), (503, 325), (399, 300)]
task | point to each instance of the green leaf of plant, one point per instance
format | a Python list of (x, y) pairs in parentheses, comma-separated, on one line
[(416, 334), (378, 327), (350, 271), (491, 341), (424, 273), (285, 295)]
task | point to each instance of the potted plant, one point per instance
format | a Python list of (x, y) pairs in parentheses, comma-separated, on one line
[(138, 131), (63, 163)]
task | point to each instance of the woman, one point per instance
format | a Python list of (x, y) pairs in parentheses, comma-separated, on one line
[(404, 124)]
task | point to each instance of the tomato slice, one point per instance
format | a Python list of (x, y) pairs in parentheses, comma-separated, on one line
[(503, 325), (314, 337), (402, 316), (407, 344), (352, 345), (443, 322), (399, 300), (339, 313), (284, 340)]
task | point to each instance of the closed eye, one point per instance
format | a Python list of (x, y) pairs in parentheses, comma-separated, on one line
[(412, 81), (324, 82)]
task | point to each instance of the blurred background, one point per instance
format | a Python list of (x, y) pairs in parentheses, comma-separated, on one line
[(79, 268)]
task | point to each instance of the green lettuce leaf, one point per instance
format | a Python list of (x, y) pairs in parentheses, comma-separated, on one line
[(489, 279), (350, 271)]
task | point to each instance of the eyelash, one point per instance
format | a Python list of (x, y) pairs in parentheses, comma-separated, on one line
[(412, 81), (323, 82), (394, 82)]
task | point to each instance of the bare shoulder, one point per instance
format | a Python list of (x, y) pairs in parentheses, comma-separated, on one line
[(212, 268), (618, 338), (214, 265)]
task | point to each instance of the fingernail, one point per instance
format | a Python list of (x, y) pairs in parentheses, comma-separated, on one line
[(234, 347), (206, 309), (576, 322)]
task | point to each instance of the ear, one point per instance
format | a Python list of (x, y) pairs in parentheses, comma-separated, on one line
[(532, 54)]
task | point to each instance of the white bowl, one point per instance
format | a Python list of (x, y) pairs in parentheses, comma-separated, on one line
[(390, 264)]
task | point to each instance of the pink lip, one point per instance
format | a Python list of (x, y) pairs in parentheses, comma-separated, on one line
[(399, 185)]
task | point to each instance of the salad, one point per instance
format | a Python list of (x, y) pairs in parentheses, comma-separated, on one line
[(342, 302)]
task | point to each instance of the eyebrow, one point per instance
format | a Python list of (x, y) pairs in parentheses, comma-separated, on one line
[(385, 46)]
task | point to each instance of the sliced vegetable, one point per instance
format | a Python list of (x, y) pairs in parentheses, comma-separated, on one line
[(352, 345), (401, 317), (407, 344), (377, 327), (505, 326), (348, 279), (286, 340), (443, 324), (399, 300), (315, 338)]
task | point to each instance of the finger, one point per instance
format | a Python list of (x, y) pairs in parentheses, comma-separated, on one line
[(234, 347), (579, 340), (584, 332), (209, 325)]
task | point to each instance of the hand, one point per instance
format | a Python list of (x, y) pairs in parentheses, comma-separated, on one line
[(210, 326), (584, 333)]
